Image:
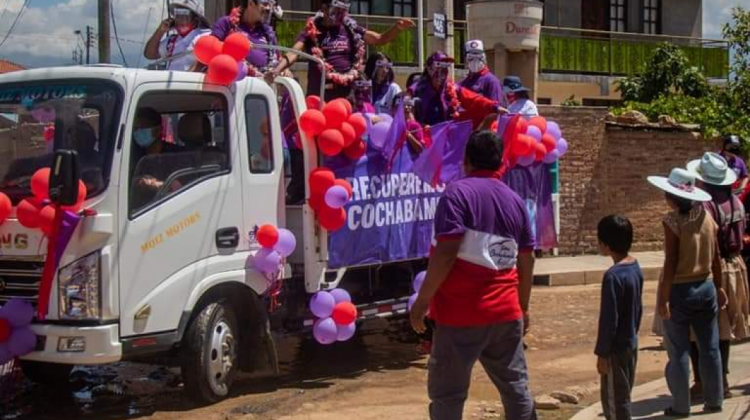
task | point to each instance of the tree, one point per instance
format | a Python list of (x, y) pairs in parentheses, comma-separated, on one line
[(737, 34)]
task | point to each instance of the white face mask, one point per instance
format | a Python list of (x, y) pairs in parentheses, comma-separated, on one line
[(476, 62)]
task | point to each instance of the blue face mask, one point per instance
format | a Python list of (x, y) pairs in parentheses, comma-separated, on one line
[(144, 137)]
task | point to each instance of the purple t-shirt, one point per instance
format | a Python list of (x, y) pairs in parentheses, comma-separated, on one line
[(261, 34), (485, 83), (739, 166), (432, 107), (338, 50)]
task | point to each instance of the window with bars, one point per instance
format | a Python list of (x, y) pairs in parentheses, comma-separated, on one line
[(360, 7), (651, 18), (403, 8), (617, 15)]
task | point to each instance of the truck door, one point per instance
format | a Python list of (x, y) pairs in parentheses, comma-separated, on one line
[(180, 202)]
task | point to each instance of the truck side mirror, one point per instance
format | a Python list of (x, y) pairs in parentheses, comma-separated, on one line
[(64, 178)]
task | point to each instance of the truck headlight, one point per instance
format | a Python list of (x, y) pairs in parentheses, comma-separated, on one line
[(79, 289)]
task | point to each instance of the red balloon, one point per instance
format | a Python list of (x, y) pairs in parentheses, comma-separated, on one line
[(540, 123), (349, 134), (549, 143), (522, 145), (82, 193), (207, 48), (347, 105), (356, 150), (332, 219), (222, 70), (317, 202), (313, 102), (6, 207), (346, 185), (267, 236), (312, 122), (4, 330), (331, 142), (541, 151), (344, 313), (335, 113), (40, 183), (47, 219), (321, 179), (27, 213), (237, 46), (523, 125), (358, 123)]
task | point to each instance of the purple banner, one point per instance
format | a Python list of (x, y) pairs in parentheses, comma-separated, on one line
[(534, 185)]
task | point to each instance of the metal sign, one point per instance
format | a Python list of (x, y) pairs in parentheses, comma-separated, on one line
[(441, 25)]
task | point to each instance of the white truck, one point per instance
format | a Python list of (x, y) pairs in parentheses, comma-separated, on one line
[(158, 268)]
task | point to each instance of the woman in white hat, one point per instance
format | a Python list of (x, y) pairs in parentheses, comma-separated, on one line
[(178, 34), (716, 177), (689, 294)]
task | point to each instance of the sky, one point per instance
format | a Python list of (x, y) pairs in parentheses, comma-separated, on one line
[(44, 34)]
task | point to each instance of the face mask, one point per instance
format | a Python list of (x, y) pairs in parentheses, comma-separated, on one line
[(476, 65), (144, 137)]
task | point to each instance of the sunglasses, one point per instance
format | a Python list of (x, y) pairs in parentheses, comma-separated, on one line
[(442, 65), (182, 12), (384, 65), (337, 4)]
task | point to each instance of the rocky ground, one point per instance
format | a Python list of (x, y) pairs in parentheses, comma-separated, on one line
[(377, 376)]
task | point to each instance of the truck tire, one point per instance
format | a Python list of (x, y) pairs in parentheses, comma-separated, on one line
[(52, 374), (209, 359)]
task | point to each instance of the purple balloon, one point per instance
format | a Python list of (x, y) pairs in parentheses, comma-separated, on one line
[(418, 281), (534, 132), (346, 332), (552, 156), (554, 130), (378, 133), (286, 244), (526, 160), (337, 197), (412, 300), (340, 295), (325, 331), (21, 342), (5, 354), (241, 71), (18, 313), (267, 261), (562, 147), (322, 304)]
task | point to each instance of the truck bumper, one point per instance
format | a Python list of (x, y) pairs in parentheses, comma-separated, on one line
[(102, 344)]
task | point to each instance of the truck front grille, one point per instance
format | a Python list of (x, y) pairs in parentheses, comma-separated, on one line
[(20, 279)]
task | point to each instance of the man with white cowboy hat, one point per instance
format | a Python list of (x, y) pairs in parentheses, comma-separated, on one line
[(480, 79), (187, 23), (713, 169)]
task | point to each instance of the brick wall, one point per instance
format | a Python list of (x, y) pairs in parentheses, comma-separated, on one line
[(605, 172)]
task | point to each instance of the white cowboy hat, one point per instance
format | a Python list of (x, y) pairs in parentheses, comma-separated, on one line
[(680, 183), (192, 5), (713, 169)]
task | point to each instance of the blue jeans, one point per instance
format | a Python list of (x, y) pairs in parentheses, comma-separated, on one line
[(693, 305)]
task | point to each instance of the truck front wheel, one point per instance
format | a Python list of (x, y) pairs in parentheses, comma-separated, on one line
[(46, 373), (209, 353)]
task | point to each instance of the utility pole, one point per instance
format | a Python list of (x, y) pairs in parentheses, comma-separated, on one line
[(88, 43), (104, 16)]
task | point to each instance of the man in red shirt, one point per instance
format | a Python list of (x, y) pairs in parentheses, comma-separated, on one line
[(478, 287)]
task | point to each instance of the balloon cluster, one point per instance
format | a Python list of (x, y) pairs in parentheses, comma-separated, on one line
[(37, 212), (16, 338), (225, 60), (276, 244), (328, 197), (417, 286), (336, 128), (336, 316), (538, 140)]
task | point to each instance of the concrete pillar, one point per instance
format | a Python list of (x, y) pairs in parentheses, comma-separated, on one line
[(434, 44)]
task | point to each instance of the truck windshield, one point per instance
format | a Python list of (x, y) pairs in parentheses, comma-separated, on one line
[(38, 118)]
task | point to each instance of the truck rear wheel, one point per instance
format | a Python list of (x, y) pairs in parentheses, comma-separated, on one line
[(47, 373), (209, 353)]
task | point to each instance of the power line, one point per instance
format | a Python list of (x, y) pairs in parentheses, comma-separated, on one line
[(117, 38), (15, 22)]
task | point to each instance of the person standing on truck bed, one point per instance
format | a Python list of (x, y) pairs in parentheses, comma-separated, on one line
[(337, 38), (187, 20), (478, 287), (253, 19)]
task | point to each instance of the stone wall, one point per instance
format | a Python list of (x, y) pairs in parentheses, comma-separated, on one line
[(605, 172)]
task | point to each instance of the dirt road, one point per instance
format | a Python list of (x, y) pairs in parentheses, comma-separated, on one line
[(377, 376)]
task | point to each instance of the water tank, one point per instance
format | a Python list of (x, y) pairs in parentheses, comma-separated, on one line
[(514, 24)]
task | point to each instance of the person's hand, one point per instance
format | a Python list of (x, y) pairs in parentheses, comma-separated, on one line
[(487, 121), (501, 110), (415, 144), (375, 119), (165, 25), (418, 314), (405, 24), (723, 299), (602, 366), (664, 312), (526, 323), (270, 76)]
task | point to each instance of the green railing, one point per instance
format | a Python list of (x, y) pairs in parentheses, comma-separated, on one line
[(594, 52)]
